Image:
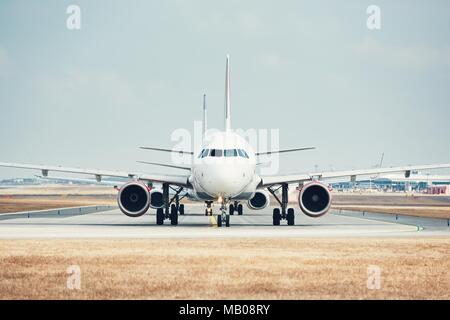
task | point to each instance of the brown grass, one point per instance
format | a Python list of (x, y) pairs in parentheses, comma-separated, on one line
[(390, 199), (59, 190), (226, 269), (21, 203), (430, 206)]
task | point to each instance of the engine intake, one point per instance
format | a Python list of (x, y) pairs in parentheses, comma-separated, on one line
[(314, 199), (156, 199), (134, 199), (259, 201)]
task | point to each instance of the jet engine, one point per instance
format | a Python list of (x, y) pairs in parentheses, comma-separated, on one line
[(314, 199), (259, 201), (156, 199), (134, 199)]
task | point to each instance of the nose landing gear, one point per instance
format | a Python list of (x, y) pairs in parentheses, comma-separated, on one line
[(223, 217)]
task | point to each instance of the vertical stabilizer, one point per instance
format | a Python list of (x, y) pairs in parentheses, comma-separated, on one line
[(205, 127), (227, 97)]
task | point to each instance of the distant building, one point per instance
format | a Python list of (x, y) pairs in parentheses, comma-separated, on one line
[(439, 190), (417, 182)]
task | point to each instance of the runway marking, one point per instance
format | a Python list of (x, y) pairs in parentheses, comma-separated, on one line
[(213, 221)]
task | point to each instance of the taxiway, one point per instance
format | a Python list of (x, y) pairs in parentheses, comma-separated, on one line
[(253, 224)]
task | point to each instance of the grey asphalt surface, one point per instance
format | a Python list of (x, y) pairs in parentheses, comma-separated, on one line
[(253, 224)]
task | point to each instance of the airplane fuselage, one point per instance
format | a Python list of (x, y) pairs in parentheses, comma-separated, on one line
[(224, 168)]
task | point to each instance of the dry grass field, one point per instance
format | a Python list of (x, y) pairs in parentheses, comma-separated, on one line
[(43, 197), (25, 203), (415, 205), (58, 190), (226, 269)]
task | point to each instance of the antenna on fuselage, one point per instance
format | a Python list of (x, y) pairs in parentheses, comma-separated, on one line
[(227, 97), (205, 127)]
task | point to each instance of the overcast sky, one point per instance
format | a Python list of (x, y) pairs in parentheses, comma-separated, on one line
[(136, 71)]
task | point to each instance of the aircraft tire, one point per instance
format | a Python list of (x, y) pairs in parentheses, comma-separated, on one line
[(290, 217), (240, 209), (173, 215), (219, 220), (159, 216), (276, 216)]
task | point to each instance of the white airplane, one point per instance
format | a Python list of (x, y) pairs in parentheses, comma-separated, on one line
[(224, 172)]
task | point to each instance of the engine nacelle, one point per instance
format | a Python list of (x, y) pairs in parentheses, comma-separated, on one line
[(156, 199), (134, 199), (259, 201), (314, 199)]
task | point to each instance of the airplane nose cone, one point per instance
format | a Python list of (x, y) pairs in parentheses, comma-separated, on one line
[(225, 183), (228, 183)]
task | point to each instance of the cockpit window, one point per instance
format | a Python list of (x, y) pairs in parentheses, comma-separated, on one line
[(242, 153), (230, 153), (223, 153), (216, 153), (203, 153)]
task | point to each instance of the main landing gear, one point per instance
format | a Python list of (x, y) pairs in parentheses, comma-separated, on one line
[(223, 217), (172, 207), (282, 213), (236, 207)]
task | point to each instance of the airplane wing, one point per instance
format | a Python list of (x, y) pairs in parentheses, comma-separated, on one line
[(180, 180), (166, 165), (167, 150), (81, 180), (298, 178), (283, 151)]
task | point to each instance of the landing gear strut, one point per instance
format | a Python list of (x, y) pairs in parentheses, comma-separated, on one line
[(171, 207), (282, 213), (177, 199)]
